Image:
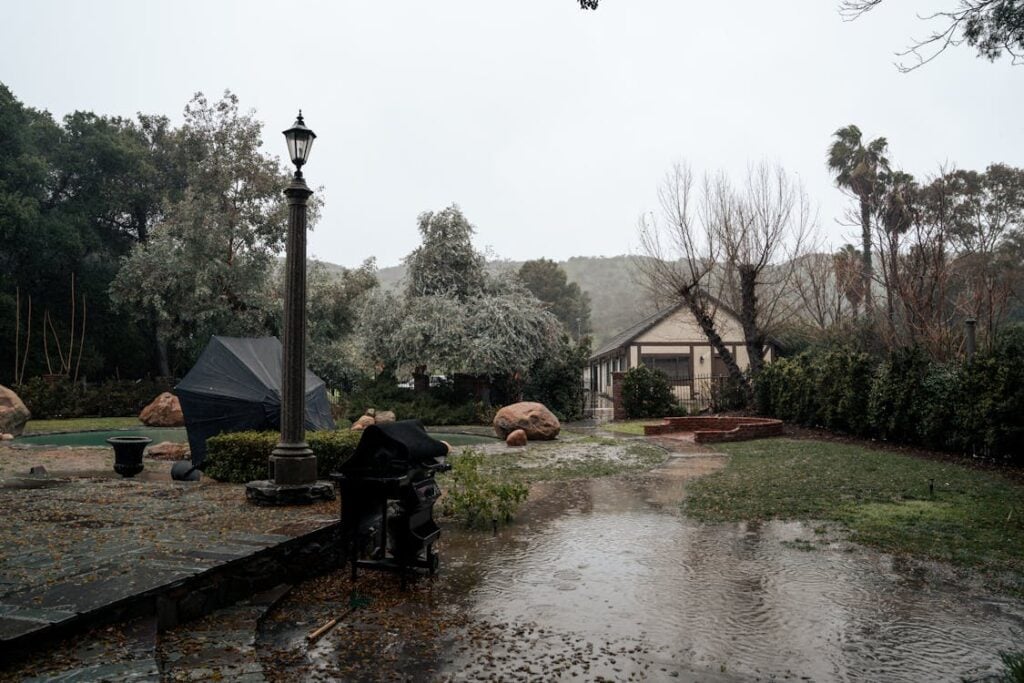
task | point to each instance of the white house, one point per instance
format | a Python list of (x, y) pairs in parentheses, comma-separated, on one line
[(672, 341)]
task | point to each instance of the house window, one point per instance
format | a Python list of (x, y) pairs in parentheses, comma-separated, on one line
[(674, 367)]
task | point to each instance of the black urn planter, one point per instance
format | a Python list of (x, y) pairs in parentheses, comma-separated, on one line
[(128, 453)]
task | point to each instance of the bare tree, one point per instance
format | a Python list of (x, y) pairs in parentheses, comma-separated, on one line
[(680, 252), (737, 246), (763, 229)]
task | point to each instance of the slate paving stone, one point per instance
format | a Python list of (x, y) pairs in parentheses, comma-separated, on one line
[(12, 628), (97, 539), (264, 540), (146, 670)]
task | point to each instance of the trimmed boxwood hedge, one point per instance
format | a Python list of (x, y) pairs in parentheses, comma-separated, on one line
[(239, 457)]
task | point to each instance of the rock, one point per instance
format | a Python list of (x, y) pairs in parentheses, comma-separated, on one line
[(6, 437), (516, 438), (168, 450), (539, 423), (362, 423), (13, 413), (164, 411), (385, 416), (37, 471)]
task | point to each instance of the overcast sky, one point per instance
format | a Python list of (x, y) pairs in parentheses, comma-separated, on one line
[(550, 126)]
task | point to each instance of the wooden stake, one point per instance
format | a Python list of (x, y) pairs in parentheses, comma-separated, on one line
[(317, 634), (17, 333), (81, 341), (28, 338)]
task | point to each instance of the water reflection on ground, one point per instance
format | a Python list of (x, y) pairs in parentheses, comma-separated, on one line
[(605, 578)]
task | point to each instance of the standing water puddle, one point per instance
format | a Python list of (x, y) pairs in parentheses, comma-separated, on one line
[(607, 572), (605, 579)]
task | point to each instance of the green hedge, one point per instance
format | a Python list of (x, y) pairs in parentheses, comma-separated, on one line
[(239, 457), (904, 397), (112, 398)]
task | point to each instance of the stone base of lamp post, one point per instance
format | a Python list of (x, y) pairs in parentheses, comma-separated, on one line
[(267, 492), (292, 479)]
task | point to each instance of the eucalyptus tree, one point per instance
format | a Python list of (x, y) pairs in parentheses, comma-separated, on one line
[(860, 169), (452, 316), (446, 262), (206, 264)]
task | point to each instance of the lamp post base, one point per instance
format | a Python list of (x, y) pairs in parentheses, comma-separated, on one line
[(267, 492)]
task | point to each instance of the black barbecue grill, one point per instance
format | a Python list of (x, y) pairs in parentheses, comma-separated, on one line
[(388, 493)]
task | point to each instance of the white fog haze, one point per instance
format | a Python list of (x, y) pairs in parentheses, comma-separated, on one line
[(550, 126)]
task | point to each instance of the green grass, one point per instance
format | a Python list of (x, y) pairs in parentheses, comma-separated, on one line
[(538, 464), (974, 518), (80, 424), (632, 427)]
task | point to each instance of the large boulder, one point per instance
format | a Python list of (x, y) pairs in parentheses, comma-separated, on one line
[(539, 423), (164, 411), (13, 413)]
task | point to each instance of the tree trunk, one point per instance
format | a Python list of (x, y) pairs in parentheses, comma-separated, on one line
[(707, 325), (866, 270), (748, 320), (420, 379), (161, 361)]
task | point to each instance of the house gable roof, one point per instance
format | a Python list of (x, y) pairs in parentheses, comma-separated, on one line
[(631, 333)]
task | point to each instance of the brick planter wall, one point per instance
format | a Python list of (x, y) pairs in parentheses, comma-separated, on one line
[(718, 429)]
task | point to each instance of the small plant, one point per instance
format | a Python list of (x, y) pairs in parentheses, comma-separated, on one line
[(479, 498), (1013, 663)]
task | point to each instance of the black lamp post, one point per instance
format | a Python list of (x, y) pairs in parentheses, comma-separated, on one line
[(292, 464)]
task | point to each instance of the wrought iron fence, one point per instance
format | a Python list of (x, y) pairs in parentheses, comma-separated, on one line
[(696, 394)]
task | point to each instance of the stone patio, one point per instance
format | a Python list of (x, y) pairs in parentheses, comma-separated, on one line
[(81, 546)]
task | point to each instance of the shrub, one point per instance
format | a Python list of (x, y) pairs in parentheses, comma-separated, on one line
[(239, 457), (440, 405), (646, 393), (556, 379), (988, 413), (727, 393), (477, 498), (65, 399), (905, 397)]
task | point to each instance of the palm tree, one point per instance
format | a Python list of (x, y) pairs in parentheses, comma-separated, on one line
[(861, 170)]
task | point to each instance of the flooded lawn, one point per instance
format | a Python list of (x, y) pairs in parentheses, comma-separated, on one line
[(606, 579)]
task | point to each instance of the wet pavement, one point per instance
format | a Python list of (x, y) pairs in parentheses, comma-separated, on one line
[(606, 579), (80, 542)]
